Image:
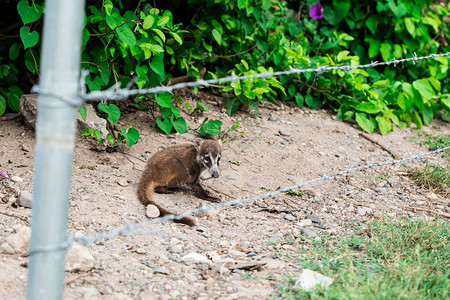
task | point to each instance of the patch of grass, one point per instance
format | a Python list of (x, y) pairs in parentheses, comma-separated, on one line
[(400, 259), (434, 141), (433, 177)]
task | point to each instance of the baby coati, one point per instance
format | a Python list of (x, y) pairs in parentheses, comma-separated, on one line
[(177, 166)]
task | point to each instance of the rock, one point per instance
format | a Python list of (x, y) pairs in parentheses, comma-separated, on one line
[(174, 249), (152, 211), (304, 223), (290, 217), (260, 204), (92, 121), (122, 182), (6, 248), (284, 132), (362, 211), (25, 199), (160, 270), (314, 218), (230, 177), (195, 258), (274, 239), (28, 109), (284, 143), (309, 279), (19, 241), (273, 118), (308, 232), (214, 256), (79, 258), (88, 291), (16, 179)]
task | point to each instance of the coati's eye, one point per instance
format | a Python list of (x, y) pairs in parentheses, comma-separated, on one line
[(206, 159), (218, 160)]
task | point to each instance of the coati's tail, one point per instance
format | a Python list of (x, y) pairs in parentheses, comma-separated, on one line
[(145, 193)]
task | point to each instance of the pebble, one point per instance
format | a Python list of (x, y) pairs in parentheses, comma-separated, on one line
[(201, 229), (284, 132), (381, 190), (152, 211), (290, 217), (274, 239), (304, 223), (195, 258), (273, 118), (309, 279), (174, 249), (160, 270), (18, 242), (122, 182), (260, 204), (79, 258), (25, 199), (88, 291), (362, 211), (230, 177), (251, 254), (17, 179), (284, 143), (308, 232), (314, 218)]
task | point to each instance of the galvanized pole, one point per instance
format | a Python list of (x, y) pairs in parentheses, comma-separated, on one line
[(55, 129)]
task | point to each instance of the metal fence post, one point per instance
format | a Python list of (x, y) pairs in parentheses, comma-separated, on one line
[(55, 129)]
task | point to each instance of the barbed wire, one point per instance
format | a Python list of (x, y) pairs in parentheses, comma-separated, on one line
[(117, 93), (132, 228)]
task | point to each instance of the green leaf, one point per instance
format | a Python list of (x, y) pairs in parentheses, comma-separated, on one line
[(107, 4), (435, 83), (374, 48), (417, 120), (2, 105), (217, 36), (110, 139), (409, 23), (111, 110), (384, 124), (160, 34), (210, 127), (427, 114), (299, 99), (163, 21), (368, 107), (157, 65), (126, 35), (242, 3), (97, 135), (424, 88), (202, 107), (176, 37), (399, 10), (148, 22), (82, 111), (164, 100), (13, 96), (386, 51), (446, 101), (29, 39), (313, 102), (14, 51), (365, 123), (165, 125), (180, 125), (232, 106), (27, 13), (372, 23), (131, 136)]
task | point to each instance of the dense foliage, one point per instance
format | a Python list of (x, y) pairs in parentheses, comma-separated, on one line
[(156, 40)]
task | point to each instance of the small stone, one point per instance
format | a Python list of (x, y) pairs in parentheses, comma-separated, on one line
[(432, 196), (274, 239), (19, 241), (25, 199), (214, 256), (230, 177), (290, 217), (273, 118), (314, 218), (16, 179), (304, 223), (6, 248), (174, 249), (201, 229), (195, 258), (308, 232), (26, 148), (79, 258), (284, 132), (381, 190), (122, 182), (260, 204), (152, 211), (309, 279), (284, 143), (160, 270), (251, 254), (88, 291), (202, 267), (362, 211), (163, 259)]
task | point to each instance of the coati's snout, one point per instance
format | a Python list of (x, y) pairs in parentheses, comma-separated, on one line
[(215, 174)]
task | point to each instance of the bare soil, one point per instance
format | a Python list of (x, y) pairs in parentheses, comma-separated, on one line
[(251, 246)]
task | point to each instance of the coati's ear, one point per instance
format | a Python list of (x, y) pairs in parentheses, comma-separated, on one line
[(198, 143), (220, 142)]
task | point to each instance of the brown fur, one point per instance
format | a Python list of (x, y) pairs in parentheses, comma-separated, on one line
[(173, 167)]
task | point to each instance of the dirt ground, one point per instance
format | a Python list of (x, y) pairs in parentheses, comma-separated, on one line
[(249, 247)]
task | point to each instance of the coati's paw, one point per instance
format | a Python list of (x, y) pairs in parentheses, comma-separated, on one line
[(165, 190)]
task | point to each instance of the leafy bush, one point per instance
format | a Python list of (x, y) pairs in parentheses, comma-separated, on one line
[(124, 39)]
